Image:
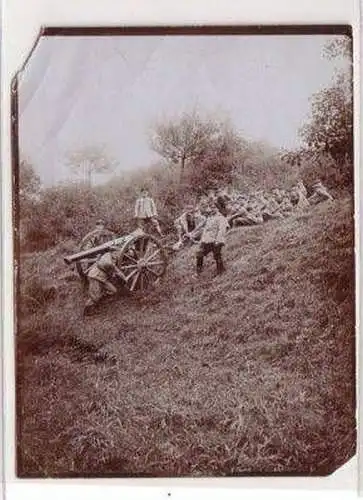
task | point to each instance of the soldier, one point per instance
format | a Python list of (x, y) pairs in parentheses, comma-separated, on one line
[(188, 226), (145, 212), (203, 203), (97, 236), (247, 213), (235, 207), (259, 200), (212, 239), (236, 203), (285, 207), (245, 217), (233, 194), (99, 277), (271, 210), (222, 200), (277, 195), (211, 196), (206, 199), (301, 187), (320, 194), (298, 198)]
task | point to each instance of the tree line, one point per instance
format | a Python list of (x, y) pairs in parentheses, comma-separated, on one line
[(196, 154)]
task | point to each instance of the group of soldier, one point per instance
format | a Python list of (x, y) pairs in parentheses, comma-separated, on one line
[(205, 224), (241, 209)]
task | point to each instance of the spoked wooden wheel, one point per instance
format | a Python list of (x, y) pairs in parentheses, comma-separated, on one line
[(91, 240), (143, 262)]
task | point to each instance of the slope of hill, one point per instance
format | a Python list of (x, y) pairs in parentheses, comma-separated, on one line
[(250, 372)]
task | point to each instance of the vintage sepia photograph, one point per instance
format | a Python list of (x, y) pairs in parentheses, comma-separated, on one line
[(183, 206)]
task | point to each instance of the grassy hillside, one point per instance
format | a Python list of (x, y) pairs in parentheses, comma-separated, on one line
[(249, 372)]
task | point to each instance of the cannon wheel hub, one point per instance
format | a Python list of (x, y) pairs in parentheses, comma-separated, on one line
[(143, 262)]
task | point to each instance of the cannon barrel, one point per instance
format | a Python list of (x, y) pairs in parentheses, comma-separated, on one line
[(95, 251)]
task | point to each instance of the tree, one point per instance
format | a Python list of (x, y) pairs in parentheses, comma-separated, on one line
[(217, 163), (339, 48), (29, 188), (29, 180), (90, 160), (330, 128), (182, 141)]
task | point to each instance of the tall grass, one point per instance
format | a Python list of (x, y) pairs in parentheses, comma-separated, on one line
[(252, 372)]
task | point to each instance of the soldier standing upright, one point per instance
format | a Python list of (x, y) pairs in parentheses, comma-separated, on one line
[(145, 212), (212, 239)]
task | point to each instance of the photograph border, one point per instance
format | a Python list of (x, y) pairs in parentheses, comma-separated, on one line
[(49, 30), (297, 30)]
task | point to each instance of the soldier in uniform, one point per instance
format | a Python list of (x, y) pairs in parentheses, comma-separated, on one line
[(212, 239), (222, 200), (277, 195), (94, 238), (246, 216), (97, 236), (301, 187), (99, 277), (271, 209), (188, 226), (298, 198), (320, 194), (285, 207), (146, 213)]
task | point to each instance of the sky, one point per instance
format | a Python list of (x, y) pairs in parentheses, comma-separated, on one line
[(77, 92)]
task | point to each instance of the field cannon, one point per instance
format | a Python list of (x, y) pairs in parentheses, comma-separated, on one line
[(141, 259)]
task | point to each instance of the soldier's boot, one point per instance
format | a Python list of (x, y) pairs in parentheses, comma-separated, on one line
[(220, 266), (89, 307), (199, 264)]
